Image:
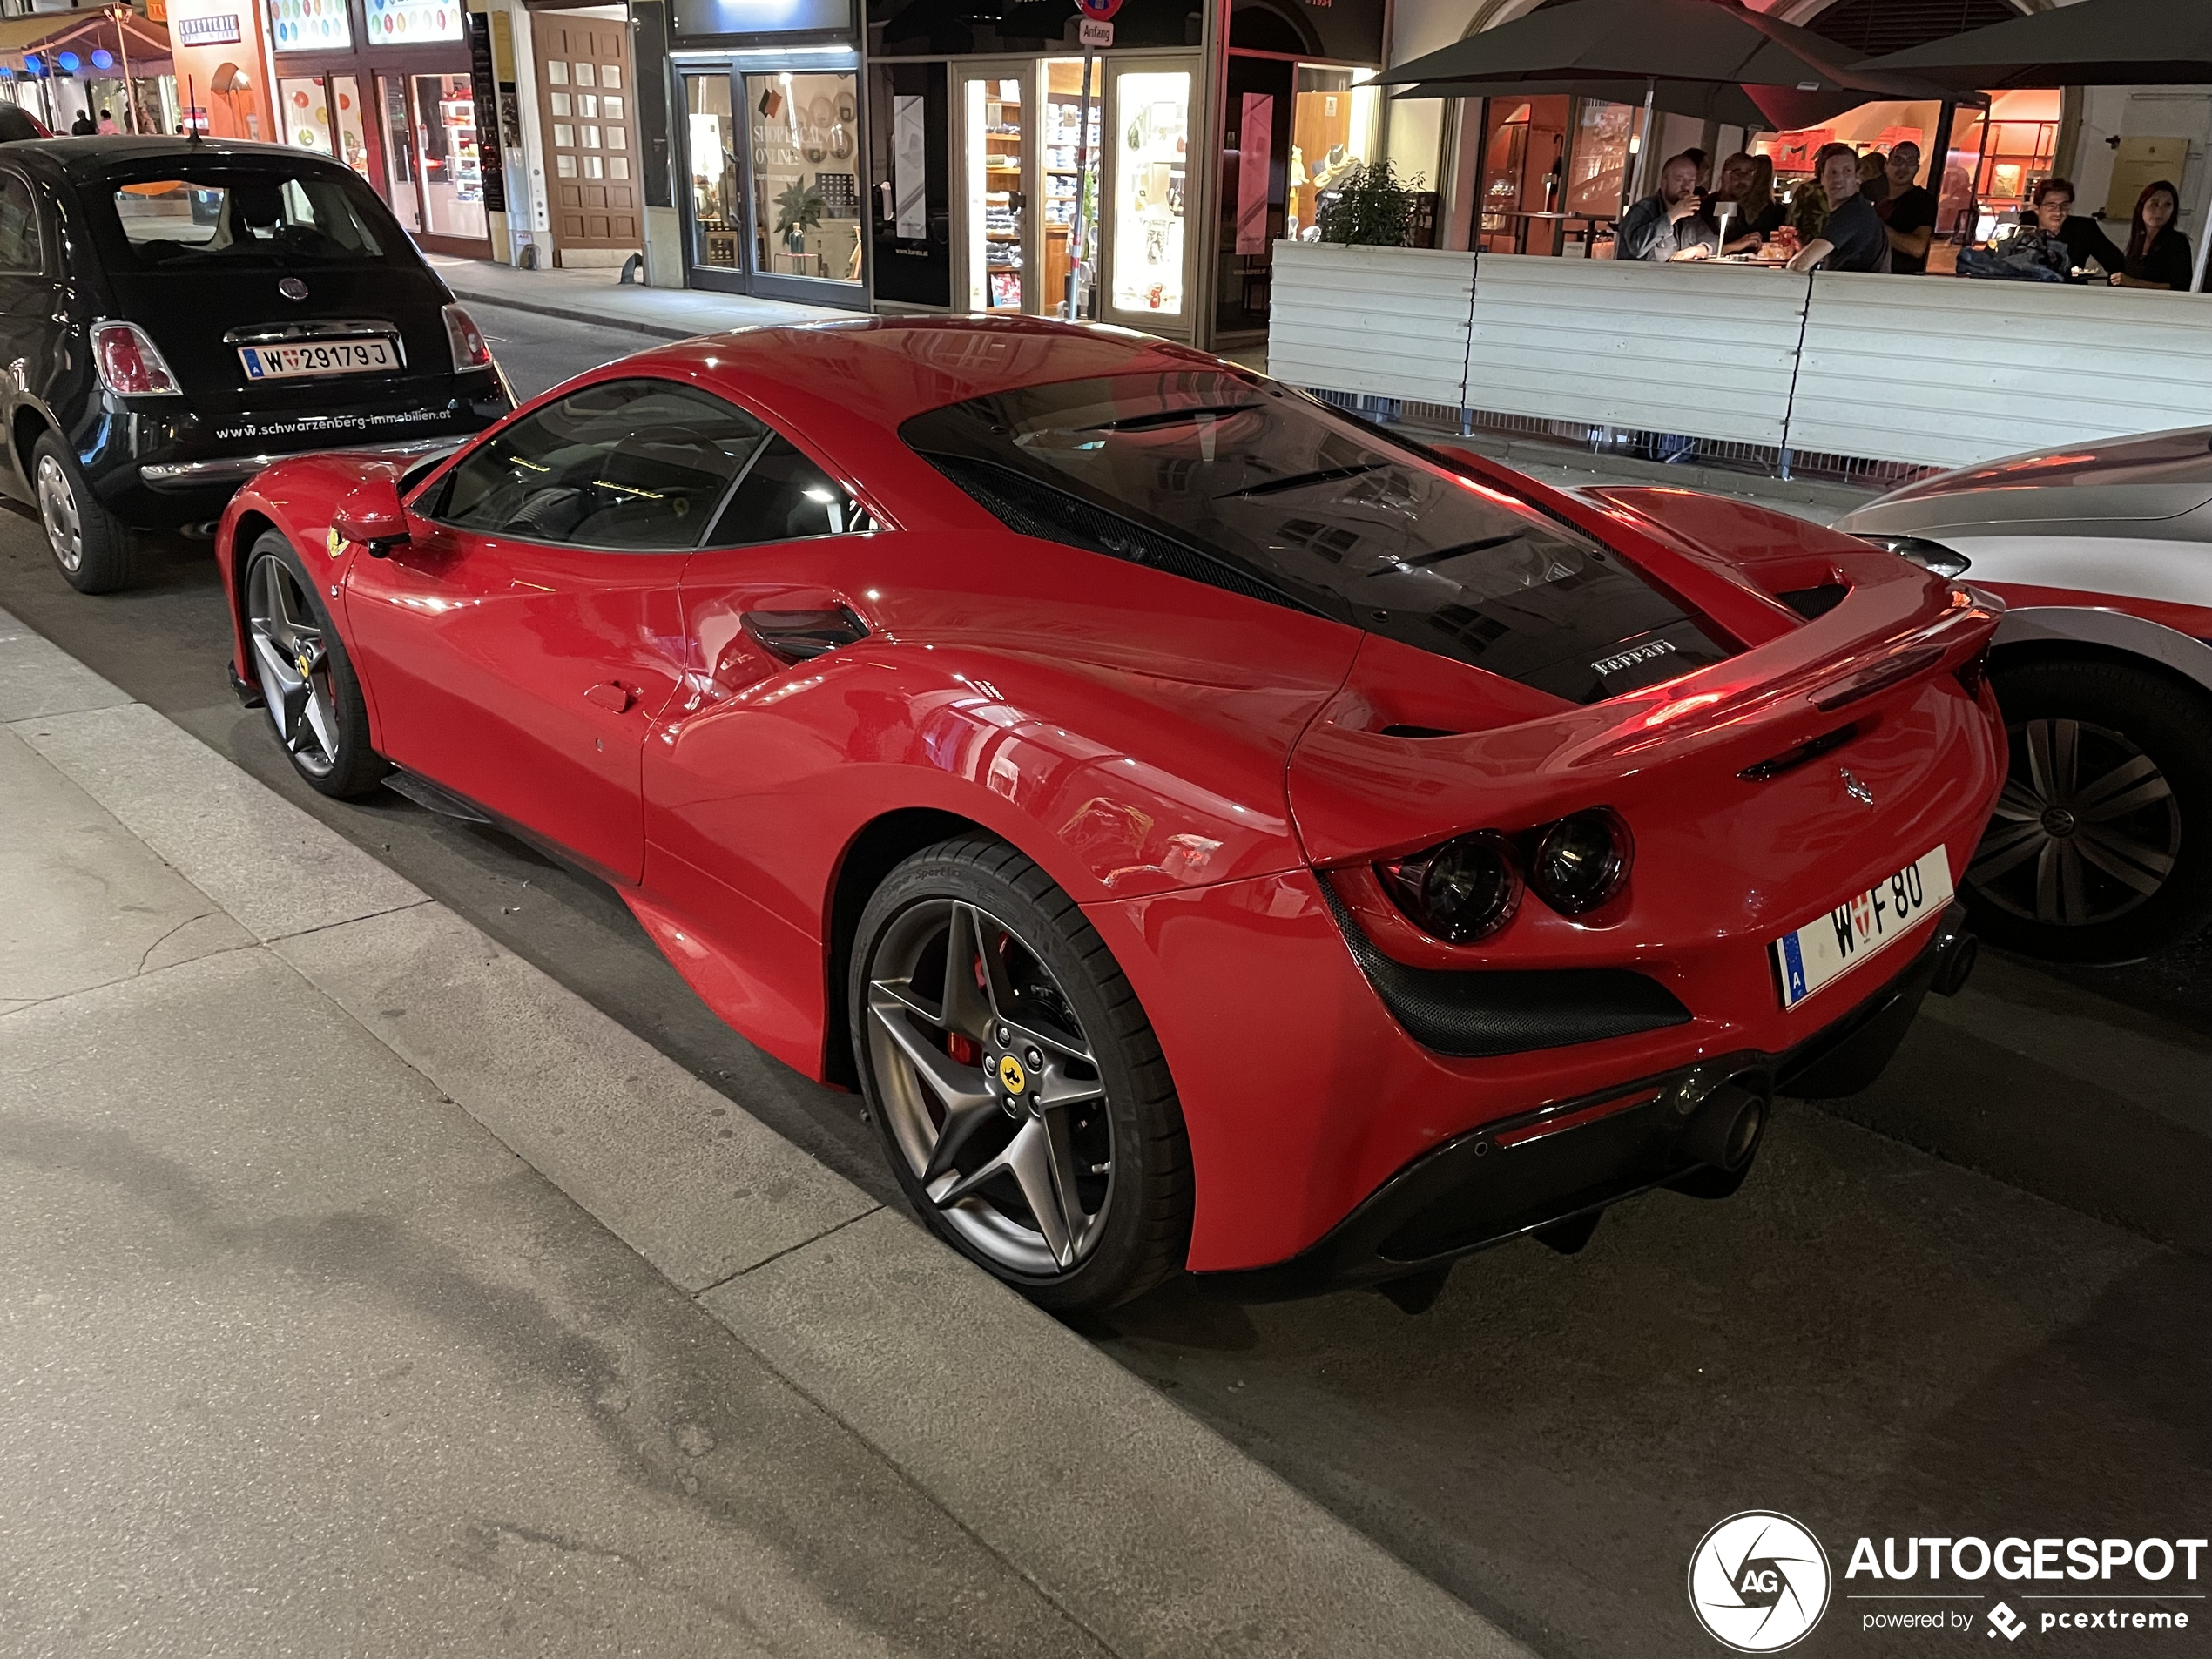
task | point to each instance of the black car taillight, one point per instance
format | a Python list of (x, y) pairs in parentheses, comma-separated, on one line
[(1463, 890), (130, 364), (470, 350), (1581, 862), (1929, 556)]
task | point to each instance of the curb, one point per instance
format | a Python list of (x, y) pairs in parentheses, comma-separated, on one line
[(1143, 1524), (571, 314)]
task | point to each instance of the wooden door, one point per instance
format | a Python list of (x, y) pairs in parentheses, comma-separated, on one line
[(588, 123)]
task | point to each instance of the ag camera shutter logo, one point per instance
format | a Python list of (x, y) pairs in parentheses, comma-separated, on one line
[(1758, 1581)]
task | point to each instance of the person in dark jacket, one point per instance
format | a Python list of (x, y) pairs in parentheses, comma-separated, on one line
[(1908, 213), (1851, 237), (82, 127), (2085, 240), (2158, 256), (1669, 226)]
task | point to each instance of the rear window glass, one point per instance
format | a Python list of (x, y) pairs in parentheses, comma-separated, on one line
[(1229, 479), (237, 215)]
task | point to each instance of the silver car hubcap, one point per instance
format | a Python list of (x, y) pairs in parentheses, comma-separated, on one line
[(57, 512), (990, 1087), (292, 664), (2087, 827)]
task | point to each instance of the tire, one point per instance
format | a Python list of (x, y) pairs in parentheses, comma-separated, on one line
[(1099, 1114), (306, 679), (92, 546), (2101, 848)]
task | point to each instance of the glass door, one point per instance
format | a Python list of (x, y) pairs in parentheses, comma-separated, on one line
[(997, 169), (1069, 175), (398, 143), (1148, 126), (807, 241), (717, 197)]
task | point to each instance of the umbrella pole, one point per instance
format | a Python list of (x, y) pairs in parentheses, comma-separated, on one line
[(2203, 244)]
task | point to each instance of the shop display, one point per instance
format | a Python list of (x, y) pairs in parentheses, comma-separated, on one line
[(310, 26), (995, 197), (414, 22), (1151, 123), (806, 205)]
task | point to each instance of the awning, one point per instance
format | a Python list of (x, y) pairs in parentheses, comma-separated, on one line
[(46, 35)]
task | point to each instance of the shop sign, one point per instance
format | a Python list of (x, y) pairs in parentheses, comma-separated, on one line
[(406, 23), (1093, 34), (695, 18), (310, 25), (216, 29)]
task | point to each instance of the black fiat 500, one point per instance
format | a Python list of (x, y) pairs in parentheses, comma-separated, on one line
[(175, 314)]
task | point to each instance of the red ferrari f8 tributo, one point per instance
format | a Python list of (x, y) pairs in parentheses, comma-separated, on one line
[(1210, 832)]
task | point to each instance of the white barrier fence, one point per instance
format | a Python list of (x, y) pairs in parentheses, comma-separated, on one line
[(1919, 370)]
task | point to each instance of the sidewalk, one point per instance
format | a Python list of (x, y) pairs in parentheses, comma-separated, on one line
[(367, 1292), (596, 297)]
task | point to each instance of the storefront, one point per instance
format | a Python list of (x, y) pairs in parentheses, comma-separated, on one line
[(388, 87), (767, 103), (97, 65)]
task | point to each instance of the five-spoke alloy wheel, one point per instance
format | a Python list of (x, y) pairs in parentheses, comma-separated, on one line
[(2098, 850), (306, 682), (1021, 1096)]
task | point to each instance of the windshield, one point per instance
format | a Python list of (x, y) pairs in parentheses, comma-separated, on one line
[(1229, 479), (209, 217)]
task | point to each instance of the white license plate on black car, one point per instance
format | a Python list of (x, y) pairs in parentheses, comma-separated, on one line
[(318, 357), (1862, 925)]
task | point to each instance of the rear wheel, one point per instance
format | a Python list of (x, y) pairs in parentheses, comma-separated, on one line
[(2100, 850), (90, 544), (1022, 1098), (306, 680)]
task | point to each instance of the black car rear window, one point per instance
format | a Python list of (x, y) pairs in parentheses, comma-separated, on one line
[(199, 215), (1230, 479)]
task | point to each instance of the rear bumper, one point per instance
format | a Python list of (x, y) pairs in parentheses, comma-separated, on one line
[(1574, 1157), (230, 471)]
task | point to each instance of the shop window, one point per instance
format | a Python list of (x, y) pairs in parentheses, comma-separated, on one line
[(306, 107), (1597, 157), (712, 141), (997, 131), (1332, 131), (1151, 124), (805, 172)]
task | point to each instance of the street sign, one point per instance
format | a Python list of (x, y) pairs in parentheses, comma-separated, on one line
[(1101, 10), (1095, 35)]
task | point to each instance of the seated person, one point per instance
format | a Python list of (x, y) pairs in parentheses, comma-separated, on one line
[(2158, 256), (1908, 213), (1747, 181), (2084, 240), (1669, 226), (1851, 237)]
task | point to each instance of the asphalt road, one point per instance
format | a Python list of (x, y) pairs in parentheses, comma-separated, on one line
[(1974, 1301)]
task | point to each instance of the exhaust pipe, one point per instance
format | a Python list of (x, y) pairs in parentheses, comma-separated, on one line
[(1955, 959), (1725, 1131)]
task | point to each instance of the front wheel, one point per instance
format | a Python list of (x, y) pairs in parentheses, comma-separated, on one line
[(306, 679), (2100, 850), (1022, 1098)]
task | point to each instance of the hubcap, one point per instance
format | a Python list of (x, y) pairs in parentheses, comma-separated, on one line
[(989, 1087), (57, 512), (291, 666), (2087, 827)]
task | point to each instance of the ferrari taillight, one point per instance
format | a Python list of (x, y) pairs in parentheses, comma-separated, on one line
[(470, 349), (130, 364), (1459, 892)]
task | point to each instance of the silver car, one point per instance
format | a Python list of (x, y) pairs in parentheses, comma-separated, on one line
[(2101, 847)]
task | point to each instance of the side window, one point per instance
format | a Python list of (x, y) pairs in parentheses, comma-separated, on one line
[(21, 251), (633, 465), (785, 496)]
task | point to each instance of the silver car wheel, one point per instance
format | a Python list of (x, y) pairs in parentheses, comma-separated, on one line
[(57, 513), (292, 664), (2087, 830), (989, 1087)]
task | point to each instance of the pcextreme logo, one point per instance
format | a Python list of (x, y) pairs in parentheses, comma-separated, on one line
[(1758, 1581)]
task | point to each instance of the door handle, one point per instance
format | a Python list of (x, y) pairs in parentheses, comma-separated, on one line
[(612, 695), (801, 635)]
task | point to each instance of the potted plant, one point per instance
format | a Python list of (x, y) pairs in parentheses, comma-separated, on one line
[(798, 210), (1368, 205)]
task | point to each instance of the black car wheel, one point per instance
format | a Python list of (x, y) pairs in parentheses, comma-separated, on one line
[(1022, 1098), (2100, 850), (90, 544), (306, 680)]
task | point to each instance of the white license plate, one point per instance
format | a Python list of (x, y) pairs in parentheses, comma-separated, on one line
[(318, 357), (1864, 925)]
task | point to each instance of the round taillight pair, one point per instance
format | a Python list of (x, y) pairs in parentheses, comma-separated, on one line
[(1468, 887)]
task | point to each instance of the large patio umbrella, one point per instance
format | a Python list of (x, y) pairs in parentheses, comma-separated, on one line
[(2092, 43), (1642, 42), (1780, 108), (1637, 45)]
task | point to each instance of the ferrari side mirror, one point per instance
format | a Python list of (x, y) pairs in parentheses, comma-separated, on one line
[(370, 513)]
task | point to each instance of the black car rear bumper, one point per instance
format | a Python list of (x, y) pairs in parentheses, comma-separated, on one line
[(1570, 1160)]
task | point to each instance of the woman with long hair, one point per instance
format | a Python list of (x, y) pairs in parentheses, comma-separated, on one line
[(2158, 256)]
